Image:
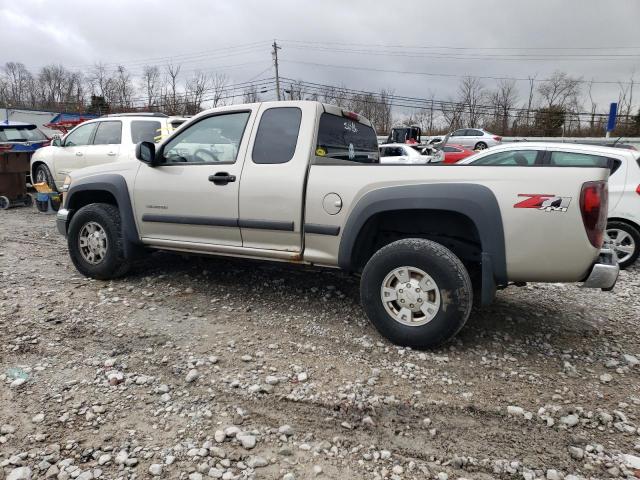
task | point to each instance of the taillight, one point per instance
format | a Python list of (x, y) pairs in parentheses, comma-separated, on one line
[(497, 138), (593, 205), (638, 189)]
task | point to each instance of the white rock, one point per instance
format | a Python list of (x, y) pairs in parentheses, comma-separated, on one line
[(302, 377), (195, 476), (20, 473), (515, 411), (385, 454), (286, 430), (219, 436), (104, 459), (606, 377), (121, 457), (553, 475), (255, 461), (397, 469), (155, 469), (247, 440), (39, 418), (192, 376), (632, 461), (17, 383), (631, 360), (288, 476), (570, 420), (272, 380)]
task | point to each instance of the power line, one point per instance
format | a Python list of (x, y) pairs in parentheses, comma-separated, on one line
[(446, 75), (448, 47)]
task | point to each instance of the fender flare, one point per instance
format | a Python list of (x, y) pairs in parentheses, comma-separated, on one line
[(476, 202), (116, 185)]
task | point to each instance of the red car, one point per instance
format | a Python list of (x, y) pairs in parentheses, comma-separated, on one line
[(455, 153)]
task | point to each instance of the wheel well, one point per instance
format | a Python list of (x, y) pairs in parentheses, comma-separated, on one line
[(34, 166), (624, 220), (85, 197), (454, 230)]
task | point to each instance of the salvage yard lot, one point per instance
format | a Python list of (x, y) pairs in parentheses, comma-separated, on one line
[(150, 370)]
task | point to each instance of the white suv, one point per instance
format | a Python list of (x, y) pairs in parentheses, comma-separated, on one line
[(104, 140), (623, 226)]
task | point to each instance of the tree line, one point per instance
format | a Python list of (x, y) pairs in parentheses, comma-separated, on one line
[(558, 105)]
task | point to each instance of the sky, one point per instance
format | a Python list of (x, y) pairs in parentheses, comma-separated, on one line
[(414, 48)]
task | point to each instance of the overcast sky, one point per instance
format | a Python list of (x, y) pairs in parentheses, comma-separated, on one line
[(592, 39)]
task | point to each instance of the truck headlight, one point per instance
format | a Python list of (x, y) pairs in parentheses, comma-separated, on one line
[(66, 184)]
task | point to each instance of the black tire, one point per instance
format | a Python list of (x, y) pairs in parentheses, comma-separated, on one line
[(114, 264), (633, 233), (446, 270), (480, 146), (42, 173)]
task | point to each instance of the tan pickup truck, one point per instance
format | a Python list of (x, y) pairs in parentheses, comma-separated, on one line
[(301, 182)]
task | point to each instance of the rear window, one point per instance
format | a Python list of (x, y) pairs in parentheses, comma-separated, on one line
[(277, 135), (27, 133), (145, 131), (573, 159), (345, 139)]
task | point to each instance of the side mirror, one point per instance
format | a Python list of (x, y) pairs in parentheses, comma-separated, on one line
[(146, 152), (56, 141)]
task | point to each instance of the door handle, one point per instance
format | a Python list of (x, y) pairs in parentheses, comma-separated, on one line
[(112, 154), (222, 178), (79, 154)]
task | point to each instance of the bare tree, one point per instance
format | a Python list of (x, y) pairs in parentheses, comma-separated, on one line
[(196, 87), (171, 89), (250, 95), (151, 84), (102, 83), (471, 93), (123, 87), (18, 83), (503, 100), (559, 90), (218, 85)]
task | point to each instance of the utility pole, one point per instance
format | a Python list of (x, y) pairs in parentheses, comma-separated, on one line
[(275, 62)]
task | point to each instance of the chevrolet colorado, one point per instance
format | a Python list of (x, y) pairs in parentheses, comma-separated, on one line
[(301, 182)]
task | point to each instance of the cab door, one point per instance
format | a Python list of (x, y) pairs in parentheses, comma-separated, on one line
[(71, 155), (191, 197), (274, 177)]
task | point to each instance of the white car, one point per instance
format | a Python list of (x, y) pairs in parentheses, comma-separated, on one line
[(474, 138), (623, 226), (106, 139), (405, 154)]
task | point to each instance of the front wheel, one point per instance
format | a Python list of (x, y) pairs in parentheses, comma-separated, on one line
[(42, 174), (95, 242), (625, 241), (416, 292)]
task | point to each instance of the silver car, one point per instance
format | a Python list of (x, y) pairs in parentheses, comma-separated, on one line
[(474, 138)]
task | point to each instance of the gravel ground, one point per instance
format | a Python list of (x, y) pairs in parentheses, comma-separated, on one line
[(220, 368)]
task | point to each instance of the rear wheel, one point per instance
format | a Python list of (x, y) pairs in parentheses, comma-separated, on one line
[(416, 292), (480, 146), (42, 174), (625, 241), (95, 242)]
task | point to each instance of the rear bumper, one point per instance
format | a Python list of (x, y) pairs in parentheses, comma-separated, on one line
[(61, 220), (604, 273)]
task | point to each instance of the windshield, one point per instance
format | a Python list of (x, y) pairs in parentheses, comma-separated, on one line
[(346, 139), (26, 133)]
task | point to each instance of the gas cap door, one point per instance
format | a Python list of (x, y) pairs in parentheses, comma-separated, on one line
[(332, 203)]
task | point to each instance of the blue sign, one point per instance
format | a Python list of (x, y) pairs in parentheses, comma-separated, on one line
[(613, 111)]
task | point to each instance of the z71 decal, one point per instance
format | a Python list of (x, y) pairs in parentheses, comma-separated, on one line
[(541, 201)]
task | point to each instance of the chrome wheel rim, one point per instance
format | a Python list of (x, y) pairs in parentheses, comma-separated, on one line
[(410, 296), (481, 147), (622, 243), (93, 243)]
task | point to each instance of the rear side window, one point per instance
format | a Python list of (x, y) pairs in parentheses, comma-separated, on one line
[(277, 135), (28, 133), (514, 157), (145, 131), (108, 133), (345, 139), (474, 133)]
